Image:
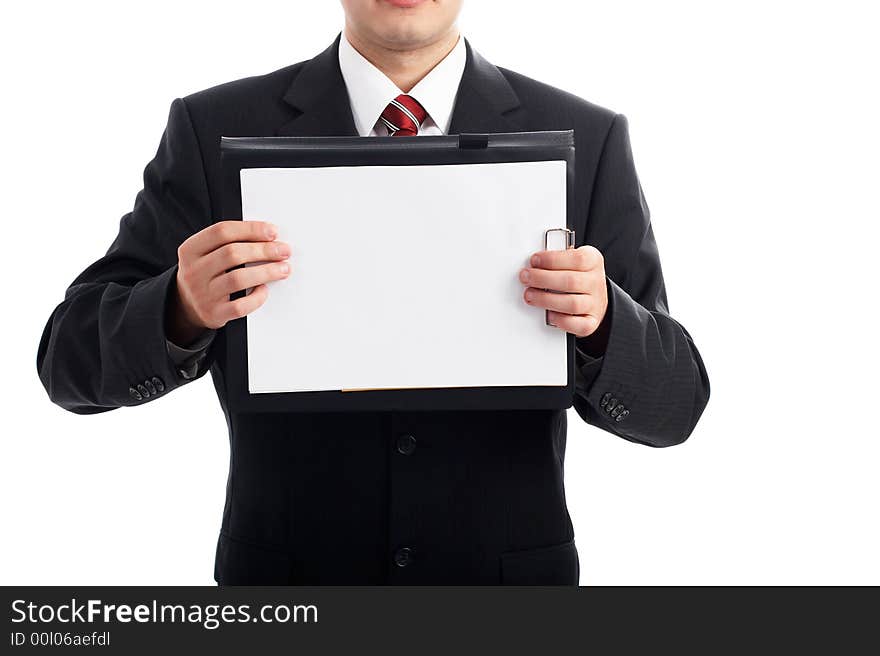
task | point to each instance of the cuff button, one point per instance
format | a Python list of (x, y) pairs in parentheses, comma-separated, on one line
[(622, 415), (403, 557), (133, 393), (150, 387), (160, 385), (143, 390)]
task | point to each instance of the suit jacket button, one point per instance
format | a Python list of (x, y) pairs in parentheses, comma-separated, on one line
[(611, 405), (605, 399), (143, 391), (150, 387), (133, 393), (406, 445), (403, 557), (158, 383), (622, 415), (620, 408)]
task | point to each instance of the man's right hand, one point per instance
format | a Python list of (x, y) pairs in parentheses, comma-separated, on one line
[(207, 275)]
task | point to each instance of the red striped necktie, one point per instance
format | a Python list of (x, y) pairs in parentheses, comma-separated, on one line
[(403, 116)]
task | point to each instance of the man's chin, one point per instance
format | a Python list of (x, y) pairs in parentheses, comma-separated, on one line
[(408, 37)]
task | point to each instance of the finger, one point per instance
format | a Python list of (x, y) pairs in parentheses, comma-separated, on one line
[(585, 258), (246, 277), (567, 303), (226, 232), (243, 252), (575, 282), (574, 324), (243, 306)]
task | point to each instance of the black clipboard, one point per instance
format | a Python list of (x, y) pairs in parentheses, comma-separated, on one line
[(239, 153)]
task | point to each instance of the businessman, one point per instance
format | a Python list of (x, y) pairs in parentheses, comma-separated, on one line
[(458, 497)]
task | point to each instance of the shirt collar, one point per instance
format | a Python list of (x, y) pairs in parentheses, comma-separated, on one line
[(370, 90)]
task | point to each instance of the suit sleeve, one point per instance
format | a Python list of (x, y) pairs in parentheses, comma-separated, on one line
[(641, 377), (104, 346)]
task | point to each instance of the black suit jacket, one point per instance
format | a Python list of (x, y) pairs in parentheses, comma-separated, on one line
[(465, 497)]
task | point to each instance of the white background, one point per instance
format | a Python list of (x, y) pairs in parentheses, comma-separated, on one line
[(754, 126)]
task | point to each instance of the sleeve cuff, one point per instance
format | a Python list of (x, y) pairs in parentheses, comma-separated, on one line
[(614, 381), (188, 358)]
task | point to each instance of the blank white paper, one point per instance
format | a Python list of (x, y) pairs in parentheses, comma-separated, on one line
[(405, 277)]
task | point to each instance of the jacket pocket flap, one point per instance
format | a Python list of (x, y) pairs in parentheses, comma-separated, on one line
[(554, 565), (240, 562)]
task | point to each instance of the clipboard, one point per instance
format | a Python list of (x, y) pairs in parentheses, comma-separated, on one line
[(241, 154)]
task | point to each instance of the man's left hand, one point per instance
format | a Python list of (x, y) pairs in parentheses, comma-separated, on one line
[(578, 296)]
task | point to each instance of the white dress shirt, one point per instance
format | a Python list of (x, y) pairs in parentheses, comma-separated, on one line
[(370, 90)]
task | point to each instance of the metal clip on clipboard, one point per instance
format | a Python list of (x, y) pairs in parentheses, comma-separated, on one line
[(566, 237)]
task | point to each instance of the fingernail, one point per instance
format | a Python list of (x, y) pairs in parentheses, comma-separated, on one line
[(524, 275), (284, 268), (528, 297), (282, 250), (271, 231), (536, 260)]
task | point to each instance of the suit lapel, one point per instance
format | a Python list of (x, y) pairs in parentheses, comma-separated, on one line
[(485, 101), (319, 96)]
